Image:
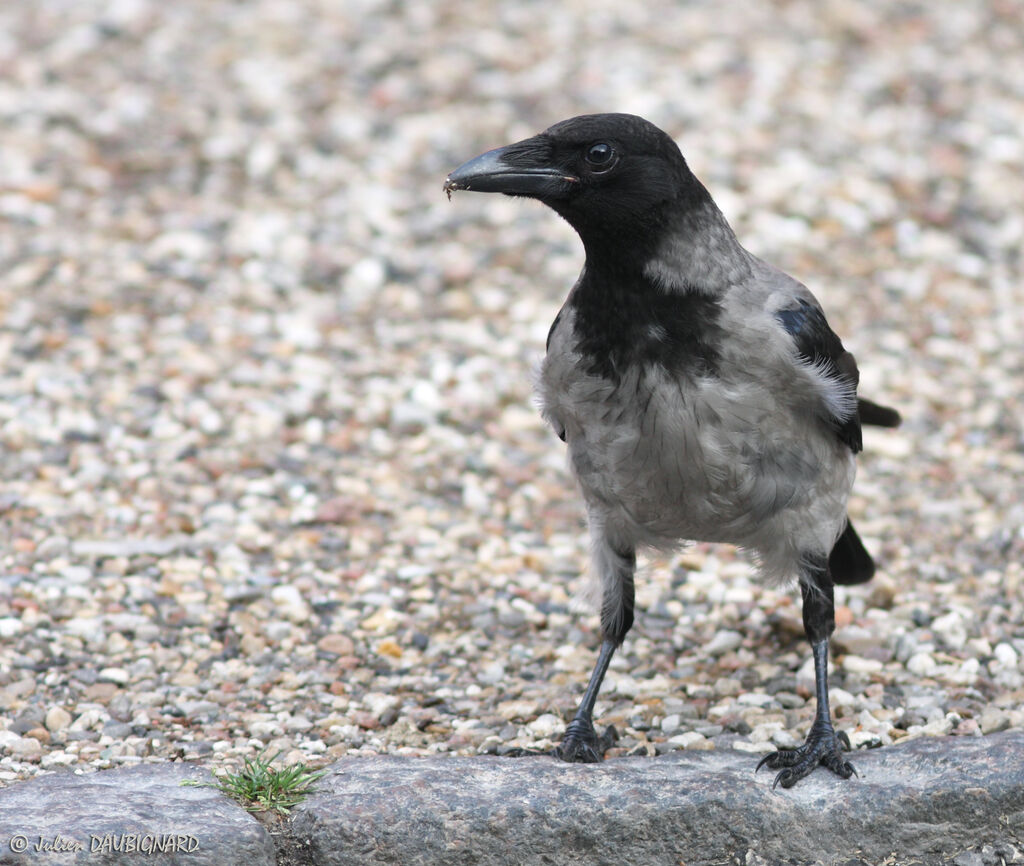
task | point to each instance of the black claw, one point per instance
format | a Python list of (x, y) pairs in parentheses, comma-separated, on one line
[(518, 752), (581, 744), (576, 751), (823, 746), (784, 778)]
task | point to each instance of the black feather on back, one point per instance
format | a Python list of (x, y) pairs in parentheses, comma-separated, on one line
[(818, 344)]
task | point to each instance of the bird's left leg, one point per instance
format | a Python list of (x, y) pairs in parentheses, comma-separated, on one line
[(615, 567), (823, 744)]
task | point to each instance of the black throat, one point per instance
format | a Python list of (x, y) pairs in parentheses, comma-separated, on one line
[(624, 320)]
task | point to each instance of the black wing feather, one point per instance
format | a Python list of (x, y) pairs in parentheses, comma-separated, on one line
[(818, 344), (875, 415)]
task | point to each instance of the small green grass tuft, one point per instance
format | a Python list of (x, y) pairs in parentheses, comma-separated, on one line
[(259, 787)]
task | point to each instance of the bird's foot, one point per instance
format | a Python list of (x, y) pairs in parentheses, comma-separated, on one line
[(823, 746), (582, 745)]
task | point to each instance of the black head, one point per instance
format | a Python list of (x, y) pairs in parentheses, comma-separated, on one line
[(611, 176)]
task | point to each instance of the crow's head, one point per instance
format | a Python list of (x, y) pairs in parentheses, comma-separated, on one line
[(613, 177)]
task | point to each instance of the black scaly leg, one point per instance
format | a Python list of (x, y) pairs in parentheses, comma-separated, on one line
[(823, 744), (580, 743)]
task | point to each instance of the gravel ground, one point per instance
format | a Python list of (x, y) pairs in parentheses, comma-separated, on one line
[(272, 476)]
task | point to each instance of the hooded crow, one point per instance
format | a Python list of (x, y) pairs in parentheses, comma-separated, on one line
[(701, 393)]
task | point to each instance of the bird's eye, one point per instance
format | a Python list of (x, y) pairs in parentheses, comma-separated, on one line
[(600, 156)]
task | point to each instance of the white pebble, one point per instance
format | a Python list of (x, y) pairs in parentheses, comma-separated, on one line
[(8, 739), (671, 722), (755, 699), (57, 718), (994, 720), (1006, 656), (689, 740), (753, 748), (784, 739), (921, 665), (723, 642), (841, 698), (10, 626), (764, 732), (967, 673), (545, 726), (364, 279), (938, 728), (492, 673), (860, 665), (950, 629), (290, 602)]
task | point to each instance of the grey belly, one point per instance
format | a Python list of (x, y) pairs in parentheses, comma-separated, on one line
[(706, 465)]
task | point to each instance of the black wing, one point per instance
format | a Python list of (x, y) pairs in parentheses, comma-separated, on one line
[(818, 344)]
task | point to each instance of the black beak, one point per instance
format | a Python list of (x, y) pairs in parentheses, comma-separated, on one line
[(513, 170)]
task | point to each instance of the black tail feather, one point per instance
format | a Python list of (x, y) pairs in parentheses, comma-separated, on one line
[(875, 415), (849, 562)]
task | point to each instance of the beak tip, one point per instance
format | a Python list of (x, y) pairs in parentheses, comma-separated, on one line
[(449, 187)]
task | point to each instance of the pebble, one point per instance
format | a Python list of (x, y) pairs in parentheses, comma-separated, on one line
[(115, 675), (764, 732), (951, 630), (724, 641), (8, 739), (922, 664), (1006, 656), (993, 720), (338, 644), (545, 726), (57, 719), (864, 739), (290, 603), (671, 723), (727, 686), (25, 748), (858, 665), (10, 626), (755, 748), (855, 639), (100, 692), (692, 741)]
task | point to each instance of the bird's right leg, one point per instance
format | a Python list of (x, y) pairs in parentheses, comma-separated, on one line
[(823, 745), (615, 567)]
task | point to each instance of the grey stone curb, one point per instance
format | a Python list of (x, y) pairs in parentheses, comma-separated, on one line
[(928, 801), (140, 814)]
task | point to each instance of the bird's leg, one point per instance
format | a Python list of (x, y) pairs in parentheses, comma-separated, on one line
[(581, 743), (823, 745)]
